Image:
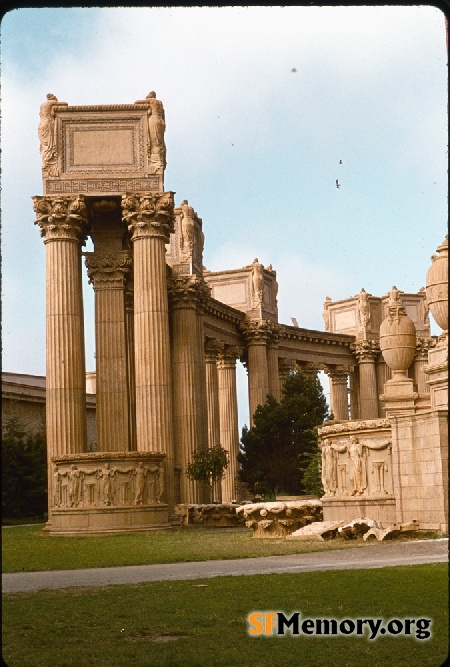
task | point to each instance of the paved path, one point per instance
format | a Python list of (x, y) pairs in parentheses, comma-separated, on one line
[(369, 556)]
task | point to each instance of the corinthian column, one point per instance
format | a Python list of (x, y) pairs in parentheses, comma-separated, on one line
[(228, 417), (107, 272), (150, 221), (256, 333), (189, 379), (63, 225), (366, 352)]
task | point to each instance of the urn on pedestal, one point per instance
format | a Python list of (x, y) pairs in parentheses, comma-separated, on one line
[(397, 338)]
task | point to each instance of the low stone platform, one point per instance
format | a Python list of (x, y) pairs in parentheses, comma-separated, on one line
[(279, 519), (218, 515)]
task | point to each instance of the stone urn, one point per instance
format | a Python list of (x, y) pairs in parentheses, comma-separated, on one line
[(397, 338), (437, 286)]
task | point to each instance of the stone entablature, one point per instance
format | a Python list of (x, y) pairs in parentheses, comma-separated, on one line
[(252, 290), (362, 315), (105, 149)]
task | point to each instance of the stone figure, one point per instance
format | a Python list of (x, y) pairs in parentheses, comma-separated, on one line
[(73, 486), (379, 468), (107, 476), (358, 477), (160, 483), (56, 486), (326, 312), (426, 308), (329, 469), (187, 227), (153, 472), (47, 135), (156, 129), (363, 309), (394, 297), (140, 472), (257, 282)]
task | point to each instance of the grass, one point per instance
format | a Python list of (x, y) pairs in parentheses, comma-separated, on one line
[(203, 623), (27, 548)]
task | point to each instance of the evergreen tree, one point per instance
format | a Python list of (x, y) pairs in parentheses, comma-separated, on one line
[(24, 472), (282, 443)]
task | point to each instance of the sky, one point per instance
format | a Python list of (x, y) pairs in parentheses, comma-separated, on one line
[(261, 105)]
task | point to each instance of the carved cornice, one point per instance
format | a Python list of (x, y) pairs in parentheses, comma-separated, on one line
[(61, 218), (149, 215), (108, 270), (227, 358), (224, 312), (312, 336), (188, 291), (366, 425), (366, 351)]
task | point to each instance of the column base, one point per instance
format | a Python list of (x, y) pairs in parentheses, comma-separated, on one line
[(108, 520)]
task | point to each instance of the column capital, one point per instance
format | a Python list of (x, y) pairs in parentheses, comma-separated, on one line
[(258, 332), (227, 357), (149, 215), (188, 292), (366, 351), (285, 365), (423, 345), (213, 347), (61, 218), (338, 373), (108, 270)]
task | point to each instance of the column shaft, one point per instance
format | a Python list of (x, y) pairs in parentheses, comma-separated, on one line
[(273, 372), (258, 376), (187, 417), (65, 372), (229, 426), (368, 394), (111, 367)]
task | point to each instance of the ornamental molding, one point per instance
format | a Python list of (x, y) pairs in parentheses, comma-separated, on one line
[(62, 218), (351, 426)]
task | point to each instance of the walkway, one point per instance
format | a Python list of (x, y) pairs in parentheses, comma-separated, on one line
[(385, 554)]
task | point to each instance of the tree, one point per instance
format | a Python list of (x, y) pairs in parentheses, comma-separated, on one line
[(282, 443), (24, 472), (208, 466)]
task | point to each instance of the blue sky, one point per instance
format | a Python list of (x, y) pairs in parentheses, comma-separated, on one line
[(253, 145)]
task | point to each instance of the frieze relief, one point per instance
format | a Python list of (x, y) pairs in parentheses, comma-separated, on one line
[(97, 483), (357, 467)]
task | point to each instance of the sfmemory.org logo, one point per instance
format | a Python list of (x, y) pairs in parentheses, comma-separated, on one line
[(276, 623)]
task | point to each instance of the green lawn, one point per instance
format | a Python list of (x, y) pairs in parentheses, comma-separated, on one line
[(27, 548), (203, 622)]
